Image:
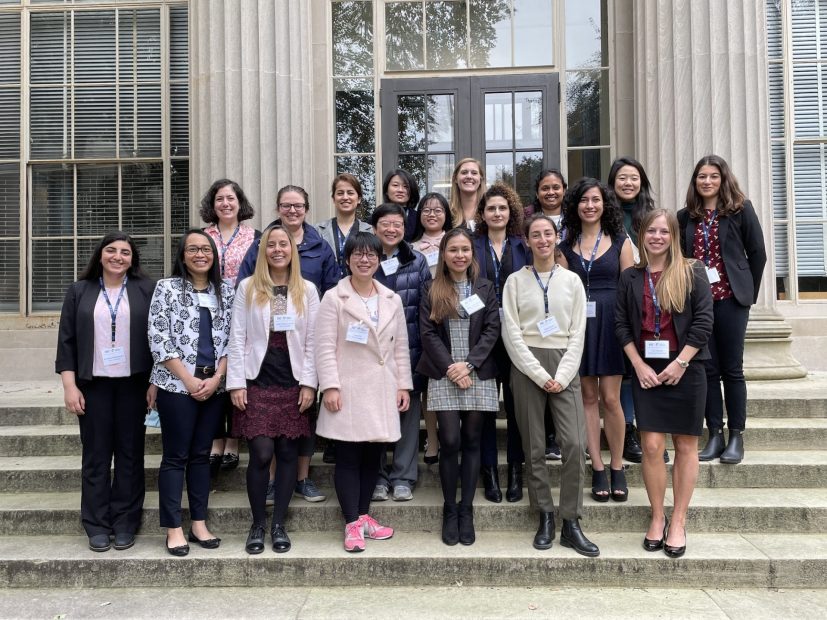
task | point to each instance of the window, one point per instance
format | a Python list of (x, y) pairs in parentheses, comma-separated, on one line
[(797, 75)]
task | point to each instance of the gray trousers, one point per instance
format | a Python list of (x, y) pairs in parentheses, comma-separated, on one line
[(569, 419), (404, 469)]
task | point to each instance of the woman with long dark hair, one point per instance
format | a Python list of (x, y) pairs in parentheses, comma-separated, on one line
[(103, 360), (346, 193), (719, 226)]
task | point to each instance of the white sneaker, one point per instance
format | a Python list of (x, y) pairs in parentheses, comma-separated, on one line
[(380, 493), (401, 493)]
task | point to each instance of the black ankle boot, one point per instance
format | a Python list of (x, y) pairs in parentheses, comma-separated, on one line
[(573, 537), (466, 525), (546, 531), (514, 492), (491, 483), (714, 445), (450, 531), (632, 451), (734, 452)]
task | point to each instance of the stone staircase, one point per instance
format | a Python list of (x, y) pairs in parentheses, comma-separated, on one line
[(760, 524)]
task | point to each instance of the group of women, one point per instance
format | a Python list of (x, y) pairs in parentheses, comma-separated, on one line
[(435, 306)]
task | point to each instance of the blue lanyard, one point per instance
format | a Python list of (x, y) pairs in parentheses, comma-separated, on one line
[(544, 288), (224, 246), (340, 246), (588, 269), (497, 269), (655, 303), (113, 312), (706, 231)]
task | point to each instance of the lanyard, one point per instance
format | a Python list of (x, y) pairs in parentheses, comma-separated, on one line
[(544, 288), (340, 246), (113, 312), (497, 268), (225, 246), (655, 303), (588, 269), (706, 231)]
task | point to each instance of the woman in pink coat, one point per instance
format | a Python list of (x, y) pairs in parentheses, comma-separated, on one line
[(364, 371)]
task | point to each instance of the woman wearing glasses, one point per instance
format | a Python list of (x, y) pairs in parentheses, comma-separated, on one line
[(189, 327), (364, 371)]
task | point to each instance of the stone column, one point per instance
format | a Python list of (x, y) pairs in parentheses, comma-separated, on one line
[(701, 87), (251, 98)]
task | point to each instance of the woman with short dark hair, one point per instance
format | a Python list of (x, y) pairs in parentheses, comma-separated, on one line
[(400, 188)]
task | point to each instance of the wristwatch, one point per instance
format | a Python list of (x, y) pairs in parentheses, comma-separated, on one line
[(470, 366), (682, 363)]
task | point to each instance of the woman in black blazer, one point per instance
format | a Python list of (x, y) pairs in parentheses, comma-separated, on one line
[(104, 362), (719, 227), (459, 324)]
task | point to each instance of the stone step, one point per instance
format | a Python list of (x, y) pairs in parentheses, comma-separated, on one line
[(760, 469), (712, 510), (64, 440), (499, 558)]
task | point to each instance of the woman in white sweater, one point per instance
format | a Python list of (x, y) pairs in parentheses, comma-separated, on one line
[(544, 326)]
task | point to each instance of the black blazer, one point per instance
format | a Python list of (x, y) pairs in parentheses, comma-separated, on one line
[(742, 249), (483, 331), (693, 326), (76, 334), (519, 254)]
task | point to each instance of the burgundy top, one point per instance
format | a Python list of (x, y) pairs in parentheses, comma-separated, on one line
[(667, 328), (721, 289)]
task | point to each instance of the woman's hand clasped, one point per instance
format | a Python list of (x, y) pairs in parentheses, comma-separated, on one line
[(203, 388), (672, 374), (553, 387), (647, 376), (457, 371)]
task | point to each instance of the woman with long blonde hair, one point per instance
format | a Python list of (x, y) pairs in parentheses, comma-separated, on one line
[(663, 320), (272, 376), (467, 188)]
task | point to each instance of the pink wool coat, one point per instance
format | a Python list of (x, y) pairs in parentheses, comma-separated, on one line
[(367, 375)]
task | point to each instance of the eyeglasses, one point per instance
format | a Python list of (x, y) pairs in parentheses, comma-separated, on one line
[(370, 256), (292, 206), (397, 225), (433, 211), (192, 250)]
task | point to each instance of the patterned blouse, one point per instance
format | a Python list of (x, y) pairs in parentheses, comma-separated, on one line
[(231, 256), (721, 289), (173, 329)]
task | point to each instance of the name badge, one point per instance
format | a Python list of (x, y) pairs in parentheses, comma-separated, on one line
[(548, 326), (205, 300), (472, 304), (657, 349), (284, 322), (114, 356), (713, 275), (433, 259), (358, 333), (502, 315), (390, 266), (591, 309)]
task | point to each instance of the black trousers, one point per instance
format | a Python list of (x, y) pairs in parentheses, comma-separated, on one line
[(187, 430), (726, 366), (357, 466), (113, 426)]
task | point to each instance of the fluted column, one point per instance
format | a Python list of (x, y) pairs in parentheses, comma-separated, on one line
[(251, 97), (701, 87)]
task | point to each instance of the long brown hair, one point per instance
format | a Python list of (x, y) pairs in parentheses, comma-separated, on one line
[(261, 284), (443, 293), (514, 226), (730, 197), (675, 282)]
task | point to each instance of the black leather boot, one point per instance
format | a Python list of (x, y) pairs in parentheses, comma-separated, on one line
[(450, 531), (734, 452), (714, 445), (632, 451), (573, 537), (466, 525), (546, 531), (491, 483), (514, 492)]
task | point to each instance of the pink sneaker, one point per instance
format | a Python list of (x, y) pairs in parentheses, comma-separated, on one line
[(373, 529), (354, 539)]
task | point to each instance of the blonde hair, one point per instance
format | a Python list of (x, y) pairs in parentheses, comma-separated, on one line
[(261, 288), (676, 281), (455, 203)]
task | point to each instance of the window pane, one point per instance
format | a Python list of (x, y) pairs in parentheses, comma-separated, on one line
[(355, 124), (139, 45), (776, 93), (94, 38), (774, 33), (352, 38), (403, 36), (142, 198), (151, 250), (51, 123), (49, 56), (584, 47), (363, 167), (410, 111), (810, 165), (9, 48), (97, 206), (179, 123), (499, 167), (446, 35), (804, 24), (810, 100), (180, 196), (9, 122), (440, 123), (527, 167), (499, 117), (779, 181), (587, 108), (9, 200), (533, 33), (528, 120), (53, 269), (809, 251), (94, 121), (10, 275), (178, 43), (440, 168), (591, 163), (140, 121), (490, 24), (52, 196)]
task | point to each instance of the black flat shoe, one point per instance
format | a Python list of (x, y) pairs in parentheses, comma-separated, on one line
[(465, 514), (215, 465), (99, 543), (450, 525), (545, 533), (124, 540), (229, 461), (674, 552), (180, 551), (620, 490), (281, 541), (573, 537), (255, 540), (656, 545), (600, 485), (431, 460), (491, 484), (210, 543)]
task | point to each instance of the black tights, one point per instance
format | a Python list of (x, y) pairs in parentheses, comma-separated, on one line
[(459, 430), (357, 467), (261, 450)]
